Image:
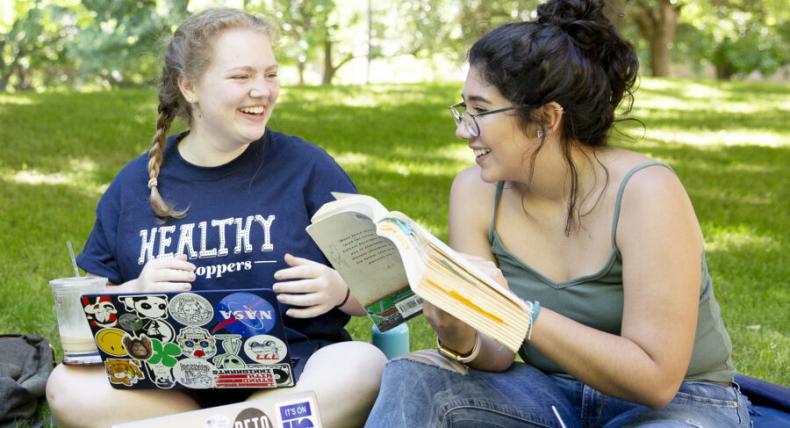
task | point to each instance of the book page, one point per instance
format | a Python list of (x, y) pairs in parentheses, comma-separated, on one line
[(369, 263)]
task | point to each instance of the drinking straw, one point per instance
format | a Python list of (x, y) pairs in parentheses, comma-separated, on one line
[(73, 260)]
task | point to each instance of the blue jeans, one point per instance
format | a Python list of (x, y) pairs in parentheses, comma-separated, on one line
[(415, 394)]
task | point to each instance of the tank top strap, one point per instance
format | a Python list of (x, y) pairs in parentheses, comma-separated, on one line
[(499, 186), (620, 191)]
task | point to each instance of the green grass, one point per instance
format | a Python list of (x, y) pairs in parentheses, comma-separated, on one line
[(729, 142)]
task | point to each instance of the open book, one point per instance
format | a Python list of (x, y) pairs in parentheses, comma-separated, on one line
[(391, 263)]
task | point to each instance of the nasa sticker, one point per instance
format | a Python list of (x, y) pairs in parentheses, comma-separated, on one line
[(246, 314), (190, 309), (265, 349), (298, 413)]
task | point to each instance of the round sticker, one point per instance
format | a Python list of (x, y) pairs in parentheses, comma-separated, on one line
[(110, 341), (190, 309), (194, 373), (265, 349), (252, 417), (246, 314)]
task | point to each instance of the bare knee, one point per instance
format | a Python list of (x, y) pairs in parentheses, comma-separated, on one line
[(66, 396), (358, 363)]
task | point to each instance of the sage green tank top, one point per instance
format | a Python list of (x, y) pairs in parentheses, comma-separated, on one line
[(596, 300)]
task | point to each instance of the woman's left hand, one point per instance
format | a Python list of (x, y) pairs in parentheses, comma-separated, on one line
[(315, 287)]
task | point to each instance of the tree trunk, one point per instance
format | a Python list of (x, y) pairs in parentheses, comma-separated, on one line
[(657, 25), (329, 71), (615, 11), (300, 65)]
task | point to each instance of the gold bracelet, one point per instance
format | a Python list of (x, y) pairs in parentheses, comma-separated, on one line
[(457, 357)]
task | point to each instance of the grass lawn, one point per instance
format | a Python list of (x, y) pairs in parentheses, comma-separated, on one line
[(729, 142)]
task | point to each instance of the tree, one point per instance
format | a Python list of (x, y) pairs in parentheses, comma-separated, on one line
[(737, 36), (122, 44), (656, 21), (33, 45)]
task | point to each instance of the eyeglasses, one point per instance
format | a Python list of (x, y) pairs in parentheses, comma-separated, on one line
[(469, 119)]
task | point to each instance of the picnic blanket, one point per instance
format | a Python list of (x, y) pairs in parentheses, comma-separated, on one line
[(770, 402)]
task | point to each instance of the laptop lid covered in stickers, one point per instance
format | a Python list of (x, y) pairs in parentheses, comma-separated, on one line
[(191, 340), (289, 410)]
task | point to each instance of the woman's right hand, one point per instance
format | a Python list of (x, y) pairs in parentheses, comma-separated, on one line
[(166, 274), (452, 332)]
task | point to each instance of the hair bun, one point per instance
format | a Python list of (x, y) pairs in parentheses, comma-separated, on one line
[(566, 13), (583, 21)]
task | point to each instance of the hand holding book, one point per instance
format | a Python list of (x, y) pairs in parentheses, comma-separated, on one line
[(391, 263)]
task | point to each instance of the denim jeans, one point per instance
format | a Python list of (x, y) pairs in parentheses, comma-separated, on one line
[(415, 394)]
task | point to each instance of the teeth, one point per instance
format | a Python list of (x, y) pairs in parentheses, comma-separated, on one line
[(481, 152), (253, 110)]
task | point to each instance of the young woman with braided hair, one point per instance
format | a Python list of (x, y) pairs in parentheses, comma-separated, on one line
[(601, 242), (224, 205)]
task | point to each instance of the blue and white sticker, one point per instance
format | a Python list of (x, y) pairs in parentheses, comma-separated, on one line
[(300, 413), (246, 314)]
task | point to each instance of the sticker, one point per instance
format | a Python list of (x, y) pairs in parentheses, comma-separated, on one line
[(160, 375), (252, 417), (196, 342), (194, 373), (246, 314), (258, 376), (297, 413), (123, 372), (190, 309), (410, 306), (158, 329), (153, 328), (231, 344), (218, 421), (110, 341), (139, 348), (100, 311), (146, 306), (131, 322), (164, 353), (265, 349)]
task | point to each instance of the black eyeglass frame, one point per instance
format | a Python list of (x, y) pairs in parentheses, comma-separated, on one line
[(459, 117)]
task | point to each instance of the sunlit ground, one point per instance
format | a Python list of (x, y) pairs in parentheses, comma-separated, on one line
[(728, 142)]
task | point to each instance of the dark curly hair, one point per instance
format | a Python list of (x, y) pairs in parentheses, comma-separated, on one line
[(572, 55)]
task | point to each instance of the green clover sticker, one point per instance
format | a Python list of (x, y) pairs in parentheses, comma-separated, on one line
[(163, 354)]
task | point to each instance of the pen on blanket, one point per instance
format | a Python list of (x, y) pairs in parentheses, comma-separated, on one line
[(557, 414)]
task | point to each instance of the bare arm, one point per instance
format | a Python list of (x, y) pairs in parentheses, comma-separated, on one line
[(468, 233), (661, 244)]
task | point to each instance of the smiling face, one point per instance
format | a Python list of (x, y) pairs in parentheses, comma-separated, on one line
[(502, 150), (236, 94)]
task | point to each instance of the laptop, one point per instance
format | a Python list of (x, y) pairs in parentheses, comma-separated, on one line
[(191, 340), (291, 410)]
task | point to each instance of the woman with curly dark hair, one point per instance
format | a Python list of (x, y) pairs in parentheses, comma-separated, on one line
[(602, 243)]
